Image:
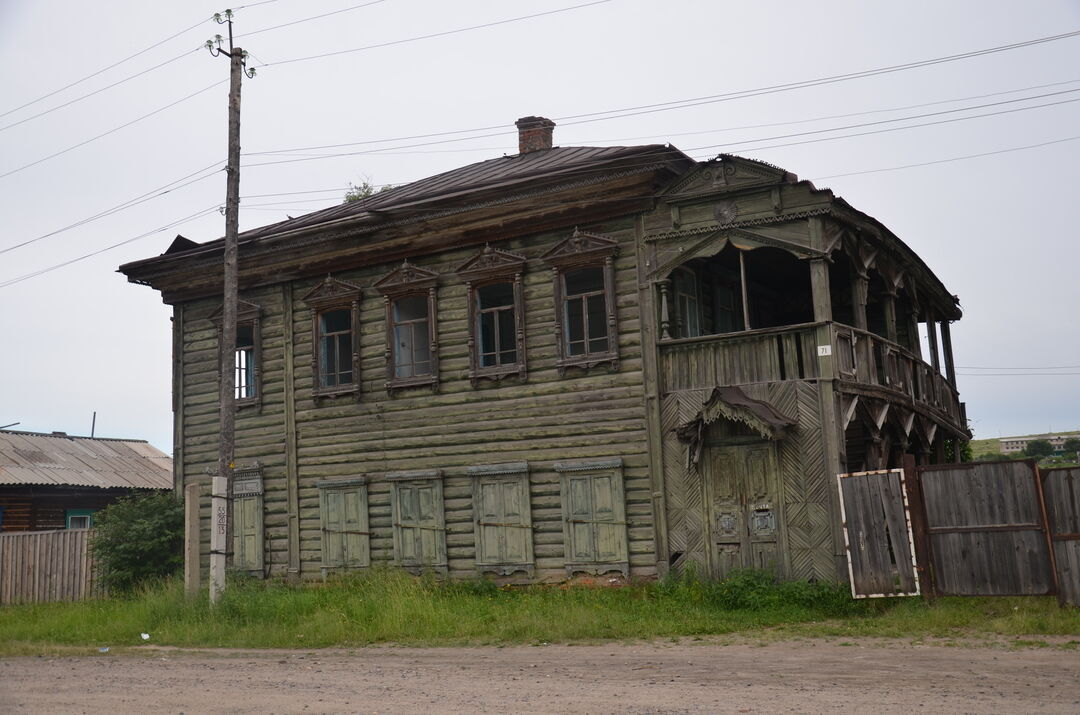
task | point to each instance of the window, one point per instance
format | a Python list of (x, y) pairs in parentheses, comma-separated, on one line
[(416, 501), (585, 317), (346, 540), (503, 521), (335, 348), (248, 519), (410, 324), (594, 517), (496, 314), (688, 303), (335, 328), (80, 518), (412, 352), (247, 355)]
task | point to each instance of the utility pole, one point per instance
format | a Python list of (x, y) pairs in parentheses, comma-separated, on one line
[(221, 492)]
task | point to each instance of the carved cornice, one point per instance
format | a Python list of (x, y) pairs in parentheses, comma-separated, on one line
[(406, 278), (581, 246), (491, 263), (332, 291), (717, 226), (245, 312)]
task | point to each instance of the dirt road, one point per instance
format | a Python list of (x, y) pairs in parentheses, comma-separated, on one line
[(803, 676)]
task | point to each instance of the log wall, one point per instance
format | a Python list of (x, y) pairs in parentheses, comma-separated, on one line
[(549, 418)]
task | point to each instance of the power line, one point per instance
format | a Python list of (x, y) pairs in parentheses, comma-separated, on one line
[(437, 34), (113, 130), (1034, 367), (946, 161), (100, 71), (884, 131), (309, 19), (49, 269), (1017, 374), (141, 198)]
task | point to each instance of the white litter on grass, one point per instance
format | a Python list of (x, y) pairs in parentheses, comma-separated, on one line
[(104, 649), (145, 636)]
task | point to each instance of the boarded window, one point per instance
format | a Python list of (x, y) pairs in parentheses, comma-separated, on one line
[(502, 516), (247, 533), (594, 516), (346, 541), (419, 525), (248, 519)]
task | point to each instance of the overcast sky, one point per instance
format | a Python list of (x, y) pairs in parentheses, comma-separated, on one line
[(999, 230)]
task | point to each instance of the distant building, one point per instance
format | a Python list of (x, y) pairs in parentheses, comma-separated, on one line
[(1015, 445), (55, 481)]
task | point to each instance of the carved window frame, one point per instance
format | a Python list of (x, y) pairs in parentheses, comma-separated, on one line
[(584, 249), (247, 313), (328, 295), (491, 267), (405, 281)]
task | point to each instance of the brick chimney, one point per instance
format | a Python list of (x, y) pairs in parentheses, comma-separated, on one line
[(534, 134)]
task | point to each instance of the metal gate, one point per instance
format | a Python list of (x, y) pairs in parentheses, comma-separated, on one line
[(877, 534), (986, 527), (1061, 488)]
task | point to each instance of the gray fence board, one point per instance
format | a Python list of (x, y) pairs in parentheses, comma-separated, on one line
[(877, 534), (40, 566), (1061, 489), (986, 529)]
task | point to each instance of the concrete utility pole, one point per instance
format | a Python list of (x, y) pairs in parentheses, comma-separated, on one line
[(221, 492)]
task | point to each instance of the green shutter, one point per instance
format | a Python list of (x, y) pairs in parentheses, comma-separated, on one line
[(419, 525), (346, 542), (248, 533), (502, 518), (594, 514)]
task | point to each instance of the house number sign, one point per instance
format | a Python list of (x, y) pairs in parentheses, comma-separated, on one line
[(221, 520)]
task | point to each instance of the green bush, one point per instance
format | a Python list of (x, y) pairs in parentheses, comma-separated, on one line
[(138, 539)]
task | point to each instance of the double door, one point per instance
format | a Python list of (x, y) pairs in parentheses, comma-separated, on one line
[(742, 504)]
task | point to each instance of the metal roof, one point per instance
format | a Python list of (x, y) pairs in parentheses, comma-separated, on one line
[(60, 460)]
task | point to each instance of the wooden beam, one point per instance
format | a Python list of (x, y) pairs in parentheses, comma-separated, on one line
[(745, 291), (292, 477), (931, 338), (888, 305), (860, 286), (946, 345)]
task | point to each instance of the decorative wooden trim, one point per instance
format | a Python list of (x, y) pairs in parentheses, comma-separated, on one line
[(247, 313), (341, 483), (581, 250), (334, 294), (492, 266), (414, 475), (516, 473), (408, 280), (621, 563)]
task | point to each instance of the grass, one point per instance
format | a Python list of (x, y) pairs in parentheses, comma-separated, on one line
[(392, 607)]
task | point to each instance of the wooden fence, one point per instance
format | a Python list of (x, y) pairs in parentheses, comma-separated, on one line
[(39, 566)]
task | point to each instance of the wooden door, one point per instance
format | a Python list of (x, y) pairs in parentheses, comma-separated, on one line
[(742, 507)]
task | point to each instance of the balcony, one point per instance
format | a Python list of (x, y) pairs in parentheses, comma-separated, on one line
[(862, 363)]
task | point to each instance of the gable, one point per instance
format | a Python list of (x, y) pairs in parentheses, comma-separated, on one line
[(728, 173)]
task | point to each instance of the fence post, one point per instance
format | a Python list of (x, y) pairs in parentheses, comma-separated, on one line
[(917, 505)]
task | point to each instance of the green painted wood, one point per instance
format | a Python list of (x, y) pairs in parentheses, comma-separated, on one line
[(594, 514), (419, 523), (248, 534), (346, 536), (502, 516)]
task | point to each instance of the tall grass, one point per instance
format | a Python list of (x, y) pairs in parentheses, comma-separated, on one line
[(389, 606)]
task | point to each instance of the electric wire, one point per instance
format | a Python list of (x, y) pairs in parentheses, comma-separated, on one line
[(49, 269), (141, 198), (444, 33), (113, 130), (308, 19)]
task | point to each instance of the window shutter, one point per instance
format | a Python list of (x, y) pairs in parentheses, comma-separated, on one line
[(346, 542), (503, 519), (594, 514), (419, 522), (247, 533)]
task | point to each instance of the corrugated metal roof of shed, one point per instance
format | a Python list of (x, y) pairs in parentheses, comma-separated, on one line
[(58, 459)]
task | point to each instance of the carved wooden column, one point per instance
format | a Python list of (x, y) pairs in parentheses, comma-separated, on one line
[(946, 345), (860, 286), (931, 338), (665, 308), (888, 305)]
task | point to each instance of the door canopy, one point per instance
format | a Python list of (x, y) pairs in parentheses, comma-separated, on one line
[(733, 404)]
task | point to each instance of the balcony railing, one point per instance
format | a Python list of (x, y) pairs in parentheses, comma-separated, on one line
[(860, 358)]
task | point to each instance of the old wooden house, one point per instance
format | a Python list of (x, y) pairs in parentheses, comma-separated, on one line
[(58, 481), (604, 360)]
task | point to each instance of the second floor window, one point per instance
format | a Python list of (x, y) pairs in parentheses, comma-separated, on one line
[(335, 348), (585, 308), (496, 325), (335, 330), (411, 336), (244, 384)]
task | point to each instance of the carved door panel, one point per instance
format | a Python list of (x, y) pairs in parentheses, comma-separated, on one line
[(741, 506)]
